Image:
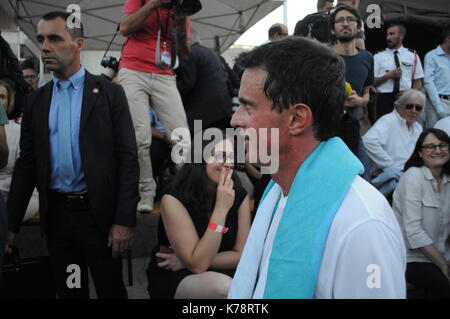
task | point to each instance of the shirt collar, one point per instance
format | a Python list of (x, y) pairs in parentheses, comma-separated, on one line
[(392, 50), (439, 51), (427, 173), (76, 79), (401, 119)]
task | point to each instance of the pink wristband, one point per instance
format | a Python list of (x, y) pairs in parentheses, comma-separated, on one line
[(217, 228)]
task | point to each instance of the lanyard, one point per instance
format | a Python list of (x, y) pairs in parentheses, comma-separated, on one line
[(163, 32)]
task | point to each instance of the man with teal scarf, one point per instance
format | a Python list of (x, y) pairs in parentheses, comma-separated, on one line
[(320, 230)]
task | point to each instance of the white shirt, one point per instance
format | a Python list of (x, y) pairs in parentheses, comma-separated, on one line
[(12, 131), (384, 62), (364, 236), (390, 143), (444, 124)]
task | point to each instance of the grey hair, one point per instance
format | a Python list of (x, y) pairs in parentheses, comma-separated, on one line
[(195, 38), (411, 94)]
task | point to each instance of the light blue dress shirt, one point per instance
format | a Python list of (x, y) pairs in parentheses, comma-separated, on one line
[(437, 76), (154, 120), (76, 99)]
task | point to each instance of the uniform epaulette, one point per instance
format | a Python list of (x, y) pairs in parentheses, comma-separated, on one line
[(413, 51)]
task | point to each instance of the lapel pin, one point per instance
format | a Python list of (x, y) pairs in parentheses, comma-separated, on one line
[(95, 90)]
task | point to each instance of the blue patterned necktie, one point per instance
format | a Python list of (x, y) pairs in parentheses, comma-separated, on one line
[(66, 171)]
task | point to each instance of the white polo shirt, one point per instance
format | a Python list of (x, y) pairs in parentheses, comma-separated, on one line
[(384, 62)]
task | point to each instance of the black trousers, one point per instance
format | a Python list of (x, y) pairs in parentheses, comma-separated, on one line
[(73, 238), (385, 103), (429, 277)]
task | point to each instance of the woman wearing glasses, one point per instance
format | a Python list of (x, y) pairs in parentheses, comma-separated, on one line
[(205, 220), (422, 206)]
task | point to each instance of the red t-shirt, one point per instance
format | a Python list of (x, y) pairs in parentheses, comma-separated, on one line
[(139, 51)]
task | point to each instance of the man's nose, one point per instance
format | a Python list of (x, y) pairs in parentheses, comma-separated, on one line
[(236, 120), (45, 46)]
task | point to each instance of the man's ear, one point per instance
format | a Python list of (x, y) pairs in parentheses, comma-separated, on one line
[(80, 43), (301, 119)]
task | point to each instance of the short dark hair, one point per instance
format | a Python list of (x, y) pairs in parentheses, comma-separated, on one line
[(400, 27), (340, 8), (75, 32), (275, 29), (445, 32), (321, 3), (28, 65), (301, 70), (416, 161)]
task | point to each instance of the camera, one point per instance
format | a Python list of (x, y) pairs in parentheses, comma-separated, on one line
[(111, 65), (189, 7)]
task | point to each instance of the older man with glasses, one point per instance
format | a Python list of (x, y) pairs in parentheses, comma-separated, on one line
[(390, 142)]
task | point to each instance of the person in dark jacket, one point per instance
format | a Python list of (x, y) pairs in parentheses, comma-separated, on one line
[(203, 88)]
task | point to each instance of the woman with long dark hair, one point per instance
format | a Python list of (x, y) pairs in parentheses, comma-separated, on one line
[(421, 203), (205, 220)]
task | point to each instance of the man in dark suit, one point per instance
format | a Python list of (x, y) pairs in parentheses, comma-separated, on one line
[(78, 148)]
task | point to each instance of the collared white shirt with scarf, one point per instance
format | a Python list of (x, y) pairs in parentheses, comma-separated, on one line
[(364, 256)]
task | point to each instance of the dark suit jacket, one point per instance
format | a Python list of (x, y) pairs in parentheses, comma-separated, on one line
[(108, 154), (203, 87)]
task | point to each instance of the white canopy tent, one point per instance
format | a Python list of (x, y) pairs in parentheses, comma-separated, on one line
[(219, 24)]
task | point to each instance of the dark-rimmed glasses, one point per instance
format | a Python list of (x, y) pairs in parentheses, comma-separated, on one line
[(432, 147), (418, 107)]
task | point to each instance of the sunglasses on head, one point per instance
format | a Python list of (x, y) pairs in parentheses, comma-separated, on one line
[(417, 106)]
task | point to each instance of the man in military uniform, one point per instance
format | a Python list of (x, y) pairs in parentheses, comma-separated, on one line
[(397, 69)]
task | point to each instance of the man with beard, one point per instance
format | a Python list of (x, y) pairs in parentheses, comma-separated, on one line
[(397, 69), (344, 23), (360, 35)]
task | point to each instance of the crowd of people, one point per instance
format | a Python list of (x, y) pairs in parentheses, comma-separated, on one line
[(363, 179)]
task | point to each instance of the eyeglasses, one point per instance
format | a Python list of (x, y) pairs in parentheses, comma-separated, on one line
[(222, 157), (350, 20), (418, 107), (432, 147)]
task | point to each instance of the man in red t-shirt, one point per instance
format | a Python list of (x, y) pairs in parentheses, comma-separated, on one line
[(146, 83)]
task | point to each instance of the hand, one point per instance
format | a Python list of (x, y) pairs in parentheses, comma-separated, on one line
[(354, 100), (10, 242), (396, 73), (171, 261), (445, 269), (120, 238), (225, 191)]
